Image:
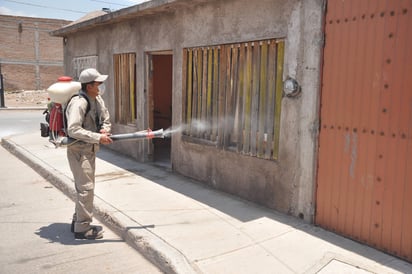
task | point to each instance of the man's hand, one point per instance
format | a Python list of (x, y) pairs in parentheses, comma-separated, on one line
[(105, 139)]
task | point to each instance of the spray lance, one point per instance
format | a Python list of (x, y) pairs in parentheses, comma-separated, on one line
[(142, 135)]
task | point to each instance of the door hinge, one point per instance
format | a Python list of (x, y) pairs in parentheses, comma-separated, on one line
[(325, 6), (323, 40)]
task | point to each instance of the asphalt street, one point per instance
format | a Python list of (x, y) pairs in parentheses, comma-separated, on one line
[(14, 122), (35, 225)]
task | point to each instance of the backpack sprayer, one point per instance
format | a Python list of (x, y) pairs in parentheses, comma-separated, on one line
[(60, 94)]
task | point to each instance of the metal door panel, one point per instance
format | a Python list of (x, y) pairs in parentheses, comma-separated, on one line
[(364, 184)]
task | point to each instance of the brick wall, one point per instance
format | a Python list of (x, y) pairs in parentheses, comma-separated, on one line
[(29, 57)]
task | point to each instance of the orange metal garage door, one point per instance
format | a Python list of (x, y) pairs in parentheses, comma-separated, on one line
[(364, 188)]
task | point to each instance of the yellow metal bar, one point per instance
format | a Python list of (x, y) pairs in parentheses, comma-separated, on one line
[(239, 106), (215, 92), (199, 83), (262, 98), (248, 99), (203, 112), (189, 88), (132, 87), (184, 85), (209, 87), (279, 85), (270, 112)]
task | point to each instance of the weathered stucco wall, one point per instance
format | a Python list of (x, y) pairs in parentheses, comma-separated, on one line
[(287, 184)]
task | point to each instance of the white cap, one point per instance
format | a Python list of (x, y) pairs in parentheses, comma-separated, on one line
[(91, 75)]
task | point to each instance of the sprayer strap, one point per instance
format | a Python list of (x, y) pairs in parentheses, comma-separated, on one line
[(81, 94)]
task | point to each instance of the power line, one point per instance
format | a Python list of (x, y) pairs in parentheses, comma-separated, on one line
[(111, 3), (47, 7)]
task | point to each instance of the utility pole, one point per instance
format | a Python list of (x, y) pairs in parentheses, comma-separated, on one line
[(2, 105)]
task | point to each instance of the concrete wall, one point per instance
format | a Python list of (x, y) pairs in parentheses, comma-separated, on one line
[(287, 184), (30, 58)]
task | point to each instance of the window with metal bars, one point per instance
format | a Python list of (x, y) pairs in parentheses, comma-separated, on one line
[(232, 96), (84, 62), (125, 87)]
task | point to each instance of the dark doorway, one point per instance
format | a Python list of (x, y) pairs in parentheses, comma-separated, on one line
[(162, 67)]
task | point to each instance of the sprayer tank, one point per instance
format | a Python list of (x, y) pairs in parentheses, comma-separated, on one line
[(65, 88)]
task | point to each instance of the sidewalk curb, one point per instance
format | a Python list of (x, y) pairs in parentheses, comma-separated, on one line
[(154, 248)]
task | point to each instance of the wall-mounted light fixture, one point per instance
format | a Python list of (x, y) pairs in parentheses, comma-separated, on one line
[(291, 87)]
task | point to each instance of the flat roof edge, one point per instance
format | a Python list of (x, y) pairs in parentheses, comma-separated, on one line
[(142, 9)]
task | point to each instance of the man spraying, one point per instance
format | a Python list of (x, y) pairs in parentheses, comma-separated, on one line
[(88, 121)]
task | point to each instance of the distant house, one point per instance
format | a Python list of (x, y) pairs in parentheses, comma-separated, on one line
[(288, 104), (29, 57)]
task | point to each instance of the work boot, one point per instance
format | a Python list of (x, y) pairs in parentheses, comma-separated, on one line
[(73, 221), (95, 232)]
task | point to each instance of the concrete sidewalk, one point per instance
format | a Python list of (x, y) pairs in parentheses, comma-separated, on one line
[(184, 227)]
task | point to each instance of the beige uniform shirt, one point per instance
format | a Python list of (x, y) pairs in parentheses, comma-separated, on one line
[(87, 128)]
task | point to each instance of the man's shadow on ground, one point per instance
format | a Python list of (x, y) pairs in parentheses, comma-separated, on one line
[(60, 233)]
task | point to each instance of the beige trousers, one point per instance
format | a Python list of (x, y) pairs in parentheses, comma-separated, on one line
[(82, 161)]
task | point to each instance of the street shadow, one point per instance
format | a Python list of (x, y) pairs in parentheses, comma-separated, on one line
[(234, 206), (60, 233)]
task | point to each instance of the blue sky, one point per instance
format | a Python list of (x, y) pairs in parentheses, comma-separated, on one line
[(61, 9)]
